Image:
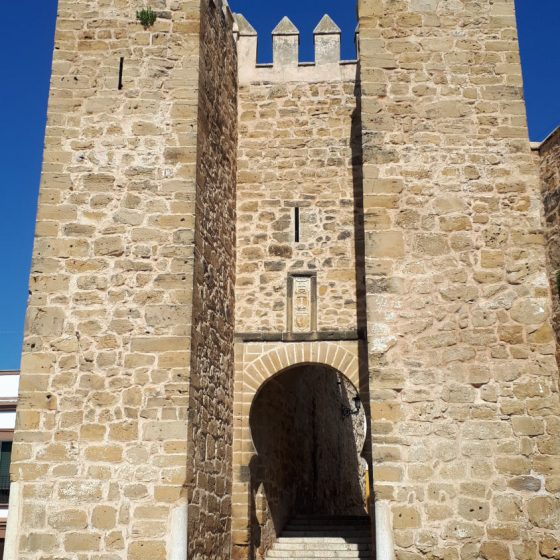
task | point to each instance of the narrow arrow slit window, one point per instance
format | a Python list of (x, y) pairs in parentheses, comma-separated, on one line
[(121, 70)]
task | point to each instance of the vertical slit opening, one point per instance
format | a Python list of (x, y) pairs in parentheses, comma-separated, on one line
[(121, 69), (296, 224)]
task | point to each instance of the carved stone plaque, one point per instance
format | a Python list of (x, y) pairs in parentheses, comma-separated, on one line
[(302, 304)]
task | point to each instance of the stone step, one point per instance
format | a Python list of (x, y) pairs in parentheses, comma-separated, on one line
[(330, 521), (304, 554), (324, 537), (353, 522), (320, 546), (319, 554), (333, 528), (327, 533)]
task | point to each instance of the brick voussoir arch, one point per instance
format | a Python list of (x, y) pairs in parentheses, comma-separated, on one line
[(285, 356)]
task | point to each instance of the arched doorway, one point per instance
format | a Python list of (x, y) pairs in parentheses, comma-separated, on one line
[(308, 428)]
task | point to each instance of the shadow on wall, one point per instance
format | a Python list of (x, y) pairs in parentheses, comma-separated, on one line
[(309, 447), (356, 145)]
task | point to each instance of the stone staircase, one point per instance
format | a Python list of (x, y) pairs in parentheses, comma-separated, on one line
[(311, 538)]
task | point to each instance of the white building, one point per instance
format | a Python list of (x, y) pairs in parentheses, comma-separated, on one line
[(9, 386)]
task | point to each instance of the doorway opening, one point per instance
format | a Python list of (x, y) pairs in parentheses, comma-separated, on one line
[(308, 428)]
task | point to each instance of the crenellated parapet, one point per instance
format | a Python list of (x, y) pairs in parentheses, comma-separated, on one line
[(286, 66)]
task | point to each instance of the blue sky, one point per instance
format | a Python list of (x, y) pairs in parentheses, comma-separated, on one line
[(23, 99)]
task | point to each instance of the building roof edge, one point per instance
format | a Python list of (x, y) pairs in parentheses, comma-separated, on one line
[(554, 135)]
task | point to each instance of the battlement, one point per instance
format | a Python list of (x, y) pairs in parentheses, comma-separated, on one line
[(286, 66)]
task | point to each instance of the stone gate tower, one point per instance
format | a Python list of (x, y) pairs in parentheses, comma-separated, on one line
[(263, 295), (124, 438)]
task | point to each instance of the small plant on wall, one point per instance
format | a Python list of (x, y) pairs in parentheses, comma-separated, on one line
[(147, 17)]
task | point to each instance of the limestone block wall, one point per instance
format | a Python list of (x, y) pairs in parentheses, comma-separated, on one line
[(549, 152), (211, 382), (295, 150), (103, 448), (272, 476), (464, 381), (296, 181), (298, 213)]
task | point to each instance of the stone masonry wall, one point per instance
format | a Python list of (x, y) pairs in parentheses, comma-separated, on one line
[(277, 464), (295, 150), (211, 387), (100, 452), (550, 188), (464, 381)]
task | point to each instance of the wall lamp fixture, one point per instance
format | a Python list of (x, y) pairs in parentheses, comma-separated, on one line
[(346, 412)]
